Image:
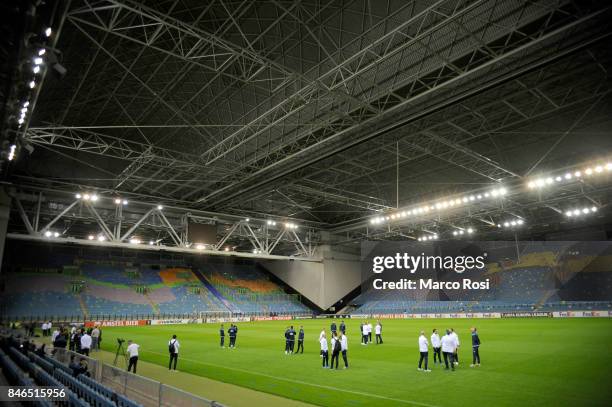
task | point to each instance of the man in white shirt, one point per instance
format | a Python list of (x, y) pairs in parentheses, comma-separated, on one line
[(456, 338), (43, 327), (344, 348), (424, 351), (324, 349), (85, 343), (448, 349), (369, 332), (132, 351), (435, 344), (173, 348), (321, 335), (378, 332)]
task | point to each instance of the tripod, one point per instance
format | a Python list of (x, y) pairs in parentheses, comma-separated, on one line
[(120, 353)]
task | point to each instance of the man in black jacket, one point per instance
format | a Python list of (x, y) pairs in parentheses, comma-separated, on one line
[(475, 348)]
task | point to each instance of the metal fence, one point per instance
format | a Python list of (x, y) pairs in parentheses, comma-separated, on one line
[(148, 392)]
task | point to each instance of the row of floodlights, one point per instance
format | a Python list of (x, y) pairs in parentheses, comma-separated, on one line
[(579, 212), (569, 176), (441, 205)]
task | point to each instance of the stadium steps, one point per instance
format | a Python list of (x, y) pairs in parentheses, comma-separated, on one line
[(153, 304), (212, 289), (83, 306), (545, 298)]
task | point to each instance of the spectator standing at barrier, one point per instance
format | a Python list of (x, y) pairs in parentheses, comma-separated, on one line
[(173, 349), (132, 351), (222, 336), (61, 340), (85, 343), (300, 340), (95, 336), (378, 331), (424, 352), (436, 344), (324, 350), (456, 338), (475, 348), (54, 334), (448, 349), (344, 348)]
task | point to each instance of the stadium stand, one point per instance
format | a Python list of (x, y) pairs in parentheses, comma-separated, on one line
[(97, 287), (557, 277), (250, 291), (25, 368)]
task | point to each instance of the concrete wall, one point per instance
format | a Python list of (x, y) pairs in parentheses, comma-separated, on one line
[(322, 283)]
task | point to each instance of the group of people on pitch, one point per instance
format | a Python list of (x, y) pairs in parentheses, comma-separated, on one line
[(338, 345), (290, 340), (366, 332), (447, 346)]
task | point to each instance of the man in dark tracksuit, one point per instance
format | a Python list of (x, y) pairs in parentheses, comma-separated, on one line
[(342, 327), (475, 347), (232, 335), (287, 341), (222, 335), (291, 339), (300, 340), (333, 328)]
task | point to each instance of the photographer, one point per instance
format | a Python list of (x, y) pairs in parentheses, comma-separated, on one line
[(132, 351)]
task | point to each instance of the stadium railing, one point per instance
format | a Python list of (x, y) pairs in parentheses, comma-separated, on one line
[(129, 386)]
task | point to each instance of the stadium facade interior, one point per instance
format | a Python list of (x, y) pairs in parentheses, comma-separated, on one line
[(185, 159)]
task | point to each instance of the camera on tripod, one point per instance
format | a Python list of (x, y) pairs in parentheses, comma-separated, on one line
[(120, 341)]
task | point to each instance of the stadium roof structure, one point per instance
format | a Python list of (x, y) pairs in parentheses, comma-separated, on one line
[(339, 116)]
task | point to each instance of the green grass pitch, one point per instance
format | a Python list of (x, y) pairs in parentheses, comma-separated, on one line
[(525, 362)]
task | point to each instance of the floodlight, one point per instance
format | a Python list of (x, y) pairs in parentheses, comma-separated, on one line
[(32, 84), (55, 234), (94, 198), (36, 69), (159, 207), (117, 201), (48, 233), (41, 52), (38, 61), (91, 237), (124, 202), (48, 32), (101, 238)]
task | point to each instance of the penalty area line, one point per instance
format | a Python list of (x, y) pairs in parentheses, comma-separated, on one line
[(321, 386)]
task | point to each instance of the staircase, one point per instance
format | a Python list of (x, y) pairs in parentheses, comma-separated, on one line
[(213, 290), (545, 298), (83, 307), (153, 304)]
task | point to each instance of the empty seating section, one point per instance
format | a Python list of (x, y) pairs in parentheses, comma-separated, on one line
[(102, 306), (35, 370), (547, 278), (103, 289), (250, 290)]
